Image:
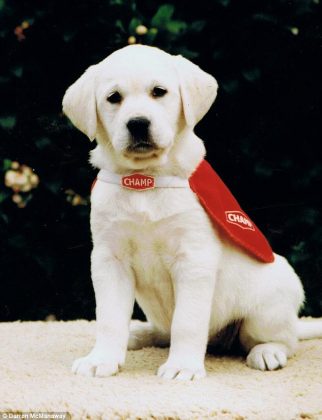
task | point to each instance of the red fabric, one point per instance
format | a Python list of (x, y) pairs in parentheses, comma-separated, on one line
[(224, 210)]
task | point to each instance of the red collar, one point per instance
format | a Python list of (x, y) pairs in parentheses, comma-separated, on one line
[(141, 182)]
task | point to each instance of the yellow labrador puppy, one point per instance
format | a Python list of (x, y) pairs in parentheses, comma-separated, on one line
[(158, 246)]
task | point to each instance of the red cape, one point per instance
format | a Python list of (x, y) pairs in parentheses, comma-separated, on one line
[(224, 210)]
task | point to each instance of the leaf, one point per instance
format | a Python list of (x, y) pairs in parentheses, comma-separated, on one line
[(230, 86), (7, 123), (69, 35), (6, 164), (3, 32), (197, 25), (17, 71), (263, 170), (189, 54), (162, 16), (217, 54), (299, 253), (224, 3), (265, 17), (151, 35), (311, 217), (17, 241), (3, 196), (119, 25), (176, 27), (54, 186), (42, 143), (2, 4), (4, 218), (299, 247), (4, 79), (252, 75)]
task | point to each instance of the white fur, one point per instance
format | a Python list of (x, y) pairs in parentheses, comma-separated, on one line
[(159, 246)]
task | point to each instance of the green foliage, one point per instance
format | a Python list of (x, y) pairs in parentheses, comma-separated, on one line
[(262, 135), (163, 16), (7, 122)]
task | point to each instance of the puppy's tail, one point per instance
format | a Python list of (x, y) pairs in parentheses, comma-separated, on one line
[(311, 328)]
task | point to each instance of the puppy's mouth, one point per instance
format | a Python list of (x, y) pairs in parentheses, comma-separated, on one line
[(141, 147), (142, 150)]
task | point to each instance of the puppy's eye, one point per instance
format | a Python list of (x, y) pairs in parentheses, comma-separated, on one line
[(158, 92), (114, 98)]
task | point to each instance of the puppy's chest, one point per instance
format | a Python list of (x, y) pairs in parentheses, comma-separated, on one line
[(142, 228), (145, 231), (146, 247)]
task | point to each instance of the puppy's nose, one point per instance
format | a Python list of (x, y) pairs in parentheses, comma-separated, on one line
[(139, 127)]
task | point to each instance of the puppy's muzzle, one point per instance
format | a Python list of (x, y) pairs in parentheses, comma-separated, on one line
[(140, 139)]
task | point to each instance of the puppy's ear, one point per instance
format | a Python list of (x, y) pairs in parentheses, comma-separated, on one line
[(198, 90), (79, 103)]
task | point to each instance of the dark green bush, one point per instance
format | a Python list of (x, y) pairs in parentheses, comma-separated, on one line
[(262, 135)]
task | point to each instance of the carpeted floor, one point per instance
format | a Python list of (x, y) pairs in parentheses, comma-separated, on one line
[(36, 357)]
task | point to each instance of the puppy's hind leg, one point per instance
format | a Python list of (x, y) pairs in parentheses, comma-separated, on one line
[(270, 337), (144, 334)]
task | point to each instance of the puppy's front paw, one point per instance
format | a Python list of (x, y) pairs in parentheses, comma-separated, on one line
[(267, 356), (181, 372), (91, 365)]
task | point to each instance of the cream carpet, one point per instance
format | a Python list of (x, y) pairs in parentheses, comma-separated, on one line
[(36, 357)]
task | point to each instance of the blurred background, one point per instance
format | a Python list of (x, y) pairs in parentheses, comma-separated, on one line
[(263, 134)]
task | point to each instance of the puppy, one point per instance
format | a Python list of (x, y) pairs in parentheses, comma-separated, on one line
[(158, 245)]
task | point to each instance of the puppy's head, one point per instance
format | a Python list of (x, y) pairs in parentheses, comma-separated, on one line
[(138, 101)]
